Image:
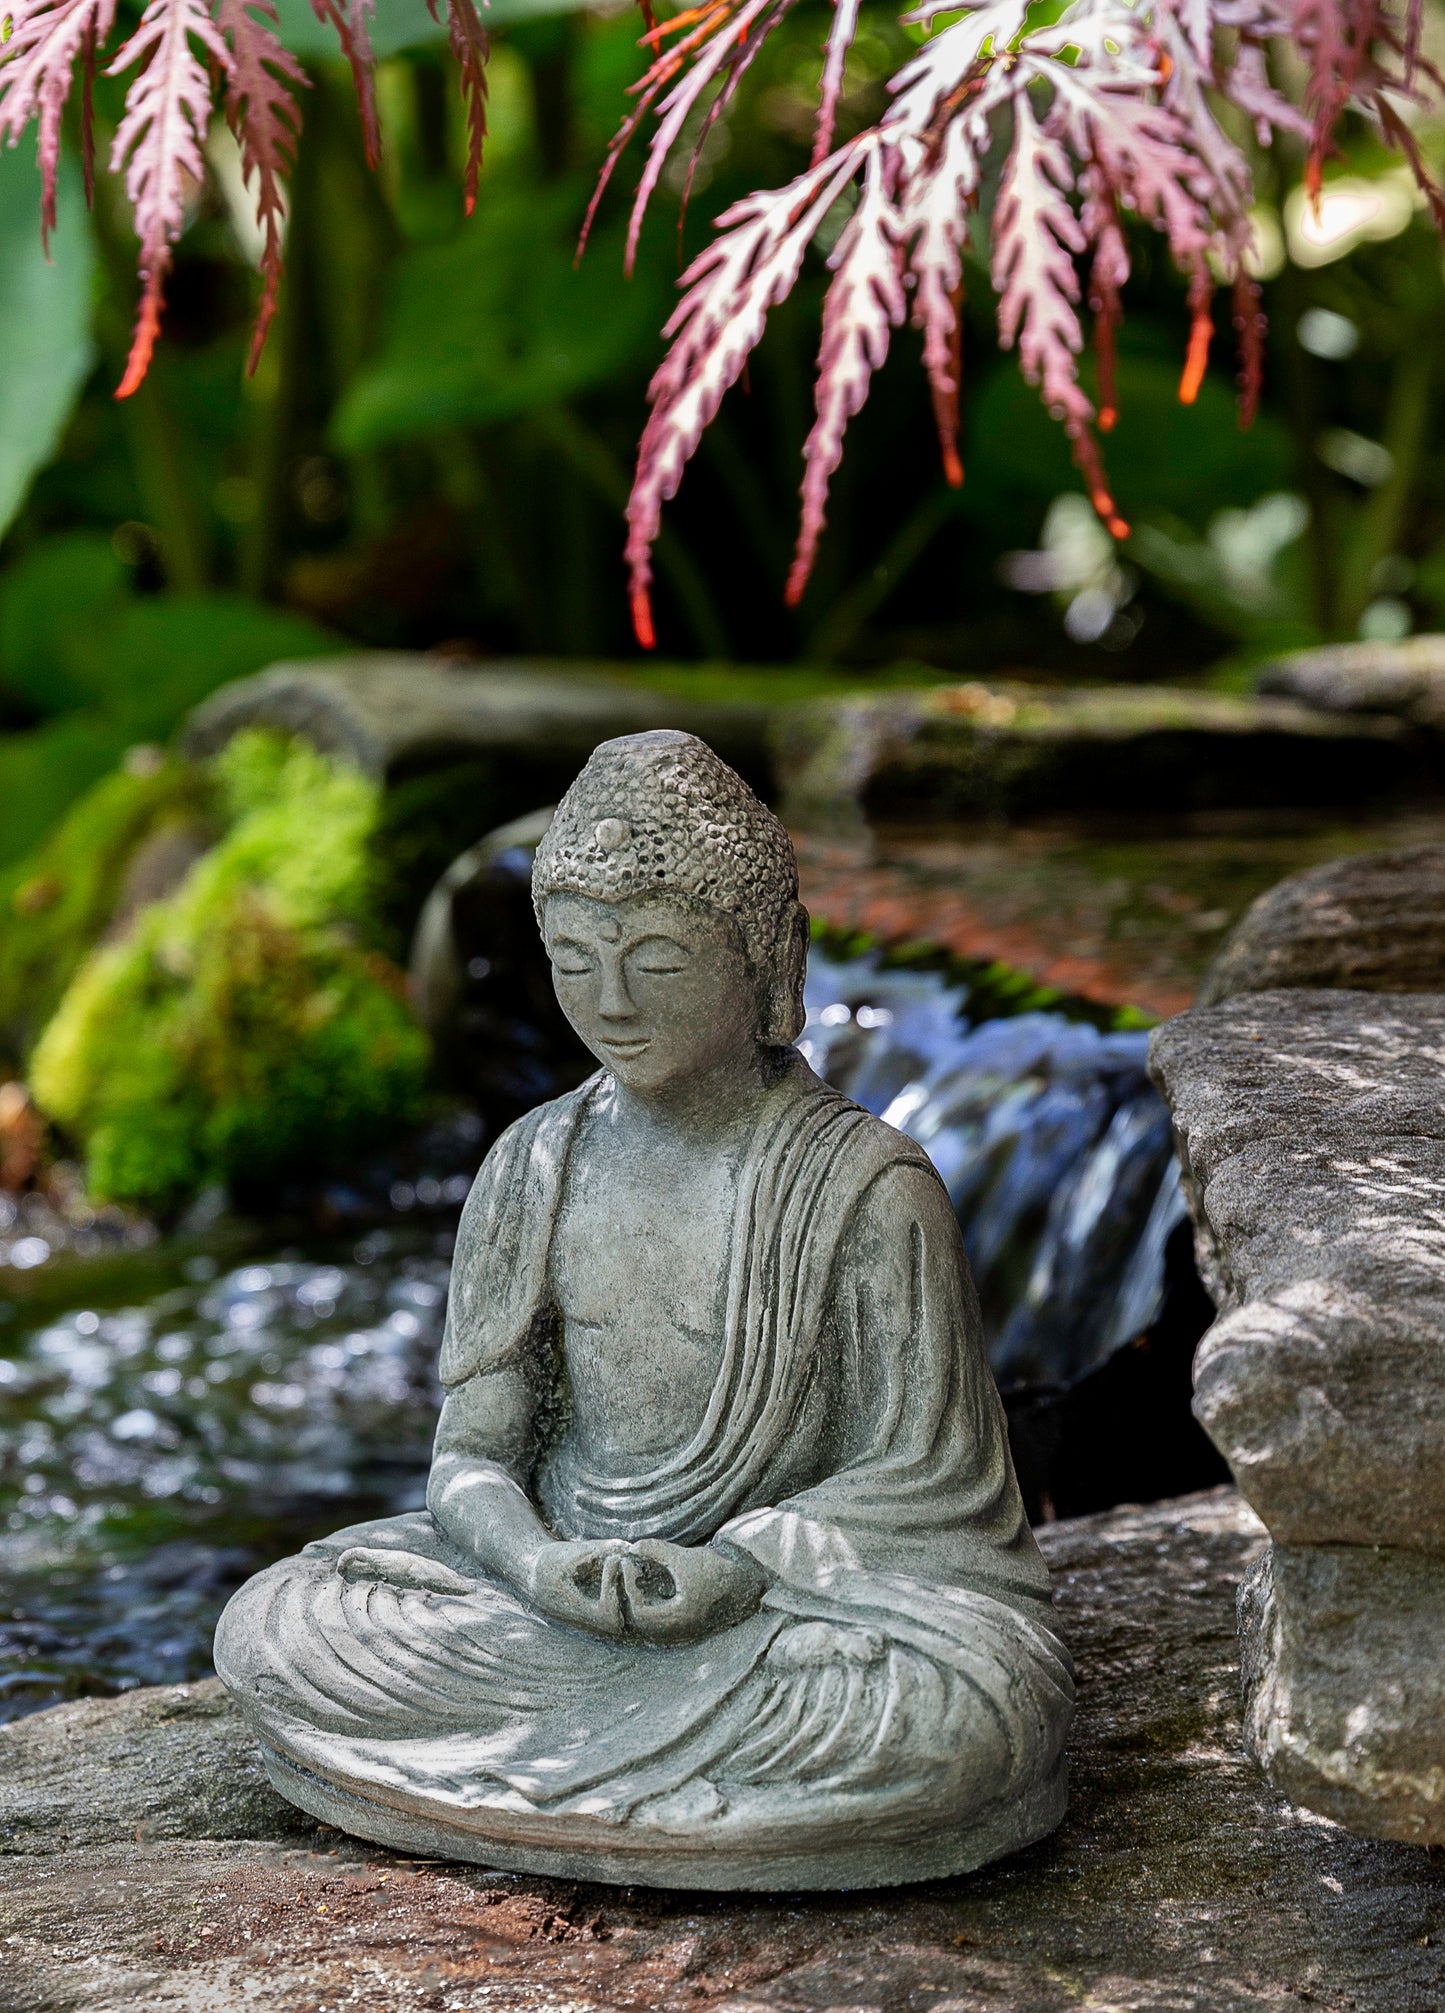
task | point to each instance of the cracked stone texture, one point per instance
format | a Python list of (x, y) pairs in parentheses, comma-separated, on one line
[(1371, 923), (144, 1864), (1344, 1684), (1311, 1133)]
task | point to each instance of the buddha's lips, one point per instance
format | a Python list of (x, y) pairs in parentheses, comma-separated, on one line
[(624, 1048)]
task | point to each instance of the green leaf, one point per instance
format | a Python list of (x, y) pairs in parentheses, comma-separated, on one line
[(499, 322), (43, 772), (401, 24), (53, 602), (164, 654), (44, 320), (118, 667), (1185, 461)]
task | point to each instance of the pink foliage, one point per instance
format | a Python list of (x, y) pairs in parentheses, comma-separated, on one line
[(865, 303), (1113, 110), (158, 146), (1116, 109), (183, 53), (48, 40), (263, 115)]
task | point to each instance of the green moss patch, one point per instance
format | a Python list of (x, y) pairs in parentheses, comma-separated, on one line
[(55, 904), (242, 1026)]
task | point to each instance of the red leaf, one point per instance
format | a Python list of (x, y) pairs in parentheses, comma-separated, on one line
[(864, 304), (468, 41), (265, 118), (351, 19), (47, 39), (158, 146)]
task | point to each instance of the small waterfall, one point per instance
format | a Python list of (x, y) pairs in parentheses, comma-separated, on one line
[(1053, 1144)]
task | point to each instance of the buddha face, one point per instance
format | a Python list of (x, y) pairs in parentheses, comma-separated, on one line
[(659, 989)]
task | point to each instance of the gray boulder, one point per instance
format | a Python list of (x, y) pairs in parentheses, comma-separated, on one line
[(1344, 1685), (1406, 679), (1311, 1132), (1372, 923)]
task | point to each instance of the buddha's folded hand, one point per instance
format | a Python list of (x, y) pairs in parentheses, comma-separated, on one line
[(579, 1582), (677, 1593)]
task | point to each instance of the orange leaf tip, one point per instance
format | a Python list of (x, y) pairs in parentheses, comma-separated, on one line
[(142, 347), (1201, 334), (642, 627)]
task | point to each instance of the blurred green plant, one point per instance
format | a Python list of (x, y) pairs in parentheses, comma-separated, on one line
[(102, 859), (101, 668), (240, 1028), (45, 335)]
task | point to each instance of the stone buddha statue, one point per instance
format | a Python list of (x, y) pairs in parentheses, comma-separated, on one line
[(724, 1578)]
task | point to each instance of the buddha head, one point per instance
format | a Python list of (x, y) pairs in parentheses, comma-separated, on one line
[(667, 897)]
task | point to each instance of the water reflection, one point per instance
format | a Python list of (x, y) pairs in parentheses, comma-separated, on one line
[(224, 1418)]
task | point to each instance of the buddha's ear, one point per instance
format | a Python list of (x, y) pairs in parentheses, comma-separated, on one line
[(783, 1009)]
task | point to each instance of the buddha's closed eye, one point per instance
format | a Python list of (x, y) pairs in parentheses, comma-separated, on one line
[(660, 956)]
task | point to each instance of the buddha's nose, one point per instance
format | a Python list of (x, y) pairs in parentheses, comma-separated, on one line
[(614, 1002)]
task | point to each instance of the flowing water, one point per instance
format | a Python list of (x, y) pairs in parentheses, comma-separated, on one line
[(172, 1414)]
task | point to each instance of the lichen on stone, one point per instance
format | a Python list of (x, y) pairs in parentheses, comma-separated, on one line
[(242, 1026)]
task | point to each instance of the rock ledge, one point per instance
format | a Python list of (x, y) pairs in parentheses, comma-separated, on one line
[(145, 1865)]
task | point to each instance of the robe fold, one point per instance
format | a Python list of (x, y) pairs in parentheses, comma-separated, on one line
[(897, 1706)]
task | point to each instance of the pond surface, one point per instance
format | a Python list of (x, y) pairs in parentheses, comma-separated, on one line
[(174, 1414)]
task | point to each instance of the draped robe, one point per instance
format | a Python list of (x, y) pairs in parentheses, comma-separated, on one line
[(896, 1708)]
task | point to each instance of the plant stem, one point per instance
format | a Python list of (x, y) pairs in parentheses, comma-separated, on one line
[(851, 610), (1382, 518), (166, 477), (590, 455)]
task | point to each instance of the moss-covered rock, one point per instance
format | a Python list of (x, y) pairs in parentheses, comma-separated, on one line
[(57, 903), (242, 1025)]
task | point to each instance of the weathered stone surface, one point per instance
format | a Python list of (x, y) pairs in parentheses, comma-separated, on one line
[(975, 750), (1311, 1129), (1406, 679), (393, 713), (1345, 1686), (1371, 923), (1179, 1882), (170, 1761)]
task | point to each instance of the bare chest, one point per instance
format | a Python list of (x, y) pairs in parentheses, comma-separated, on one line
[(639, 1269)]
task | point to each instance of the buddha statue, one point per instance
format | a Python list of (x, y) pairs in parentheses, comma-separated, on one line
[(724, 1579)]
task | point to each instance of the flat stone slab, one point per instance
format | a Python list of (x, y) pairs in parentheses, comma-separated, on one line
[(1405, 679), (1129, 914), (394, 712), (1011, 750), (144, 1864)]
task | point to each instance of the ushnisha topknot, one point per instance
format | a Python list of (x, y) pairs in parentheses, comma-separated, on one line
[(660, 813)]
